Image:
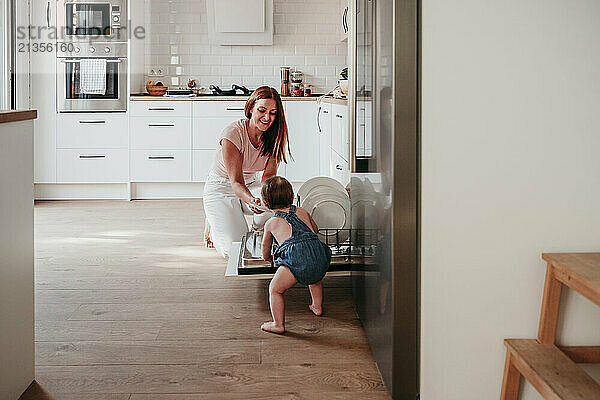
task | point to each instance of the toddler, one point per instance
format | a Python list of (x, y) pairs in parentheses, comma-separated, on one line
[(301, 256)]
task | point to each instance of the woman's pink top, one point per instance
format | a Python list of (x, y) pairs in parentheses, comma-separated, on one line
[(252, 161)]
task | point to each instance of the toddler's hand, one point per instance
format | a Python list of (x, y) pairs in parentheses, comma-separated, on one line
[(255, 210)]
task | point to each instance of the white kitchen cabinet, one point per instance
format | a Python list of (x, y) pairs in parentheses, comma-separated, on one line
[(339, 130), (174, 133), (202, 162), (159, 108), (339, 169), (344, 20), (92, 166), (210, 118), (324, 128), (161, 165), (363, 129), (304, 139), (42, 90), (92, 131), (212, 108)]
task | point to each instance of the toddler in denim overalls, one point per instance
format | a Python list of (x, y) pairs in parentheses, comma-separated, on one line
[(301, 256)]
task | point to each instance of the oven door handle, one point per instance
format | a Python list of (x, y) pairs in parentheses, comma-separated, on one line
[(79, 61)]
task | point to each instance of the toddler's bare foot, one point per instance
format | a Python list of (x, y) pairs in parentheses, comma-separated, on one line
[(271, 327), (316, 310)]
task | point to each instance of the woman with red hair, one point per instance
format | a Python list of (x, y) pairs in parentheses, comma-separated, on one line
[(246, 148)]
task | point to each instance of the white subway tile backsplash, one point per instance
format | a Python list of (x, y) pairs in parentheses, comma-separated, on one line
[(306, 36), (294, 60), (231, 60), (220, 70), (336, 60), (241, 70), (252, 60)]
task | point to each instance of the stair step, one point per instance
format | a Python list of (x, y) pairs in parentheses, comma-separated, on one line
[(550, 371)]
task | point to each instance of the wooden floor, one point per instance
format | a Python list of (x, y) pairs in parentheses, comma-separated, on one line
[(131, 305)]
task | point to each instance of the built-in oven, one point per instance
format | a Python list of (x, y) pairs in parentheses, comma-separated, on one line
[(71, 96), (87, 20)]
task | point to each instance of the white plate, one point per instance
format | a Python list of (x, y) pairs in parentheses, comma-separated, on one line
[(331, 211), (320, 181)]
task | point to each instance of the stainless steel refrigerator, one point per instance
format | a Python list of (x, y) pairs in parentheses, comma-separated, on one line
[(384, 188)]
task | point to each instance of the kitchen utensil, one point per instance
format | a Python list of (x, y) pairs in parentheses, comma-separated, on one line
[(285, 81)]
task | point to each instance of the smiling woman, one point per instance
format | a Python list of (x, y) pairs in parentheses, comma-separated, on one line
[(247, 147)]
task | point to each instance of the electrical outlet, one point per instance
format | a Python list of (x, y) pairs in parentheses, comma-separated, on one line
[(157, 70)]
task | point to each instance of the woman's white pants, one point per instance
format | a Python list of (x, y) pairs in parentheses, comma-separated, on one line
[(225, 212)]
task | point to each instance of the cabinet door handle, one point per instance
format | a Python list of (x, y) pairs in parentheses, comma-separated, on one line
[(319, 119), (234, 109), (161, 157), (161, 109), (338, 115), (337, 166), (91, 156), (345, 20), (48, 14), (92, 122), (325, 112), (161, 125)]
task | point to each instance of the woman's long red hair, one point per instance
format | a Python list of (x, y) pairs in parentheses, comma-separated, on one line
[(275, 139)]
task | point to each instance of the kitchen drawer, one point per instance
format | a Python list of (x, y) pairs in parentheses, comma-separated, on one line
[(175, 108), (207, 131), (339, 168), (202, 164), (92, 166), (215, 108), (92, 131), (161, 165), (166, 132)]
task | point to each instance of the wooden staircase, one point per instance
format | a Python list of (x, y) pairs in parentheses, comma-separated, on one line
[(551, 369)]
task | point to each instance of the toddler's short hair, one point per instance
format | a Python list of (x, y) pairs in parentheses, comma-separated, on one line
[(277, 192)]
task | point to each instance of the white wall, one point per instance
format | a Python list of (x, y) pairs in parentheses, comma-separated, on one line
[(16, 258), (306, 36), (510, 139)]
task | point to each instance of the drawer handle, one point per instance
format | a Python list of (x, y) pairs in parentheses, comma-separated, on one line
[(325, 112), (161, 157), (234, 109), (161, 125), (97, 156), (92, 122), (361, 124), (161, 109), (338, 115), (338, 167)]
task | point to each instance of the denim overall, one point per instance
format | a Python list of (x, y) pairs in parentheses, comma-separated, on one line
[(303, 253)]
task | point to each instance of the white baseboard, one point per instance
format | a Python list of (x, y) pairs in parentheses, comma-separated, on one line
[(147, 191), (99, 191)]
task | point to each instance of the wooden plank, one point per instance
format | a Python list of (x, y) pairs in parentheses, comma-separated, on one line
[(582, 354), (211, 378), (550, 307), (579, 271), (147, 352), (510, 380), (53, 331), (550, 371), (274, 394), (17, 115)]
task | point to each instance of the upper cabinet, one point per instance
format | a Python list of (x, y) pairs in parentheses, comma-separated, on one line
[(240, 22)]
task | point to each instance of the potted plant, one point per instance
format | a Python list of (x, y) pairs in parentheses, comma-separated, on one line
[(344, 80)]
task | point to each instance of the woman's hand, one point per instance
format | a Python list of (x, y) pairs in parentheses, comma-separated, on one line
[(251, 204)]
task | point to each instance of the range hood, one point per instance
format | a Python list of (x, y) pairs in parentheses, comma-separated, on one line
[(240, 22)]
